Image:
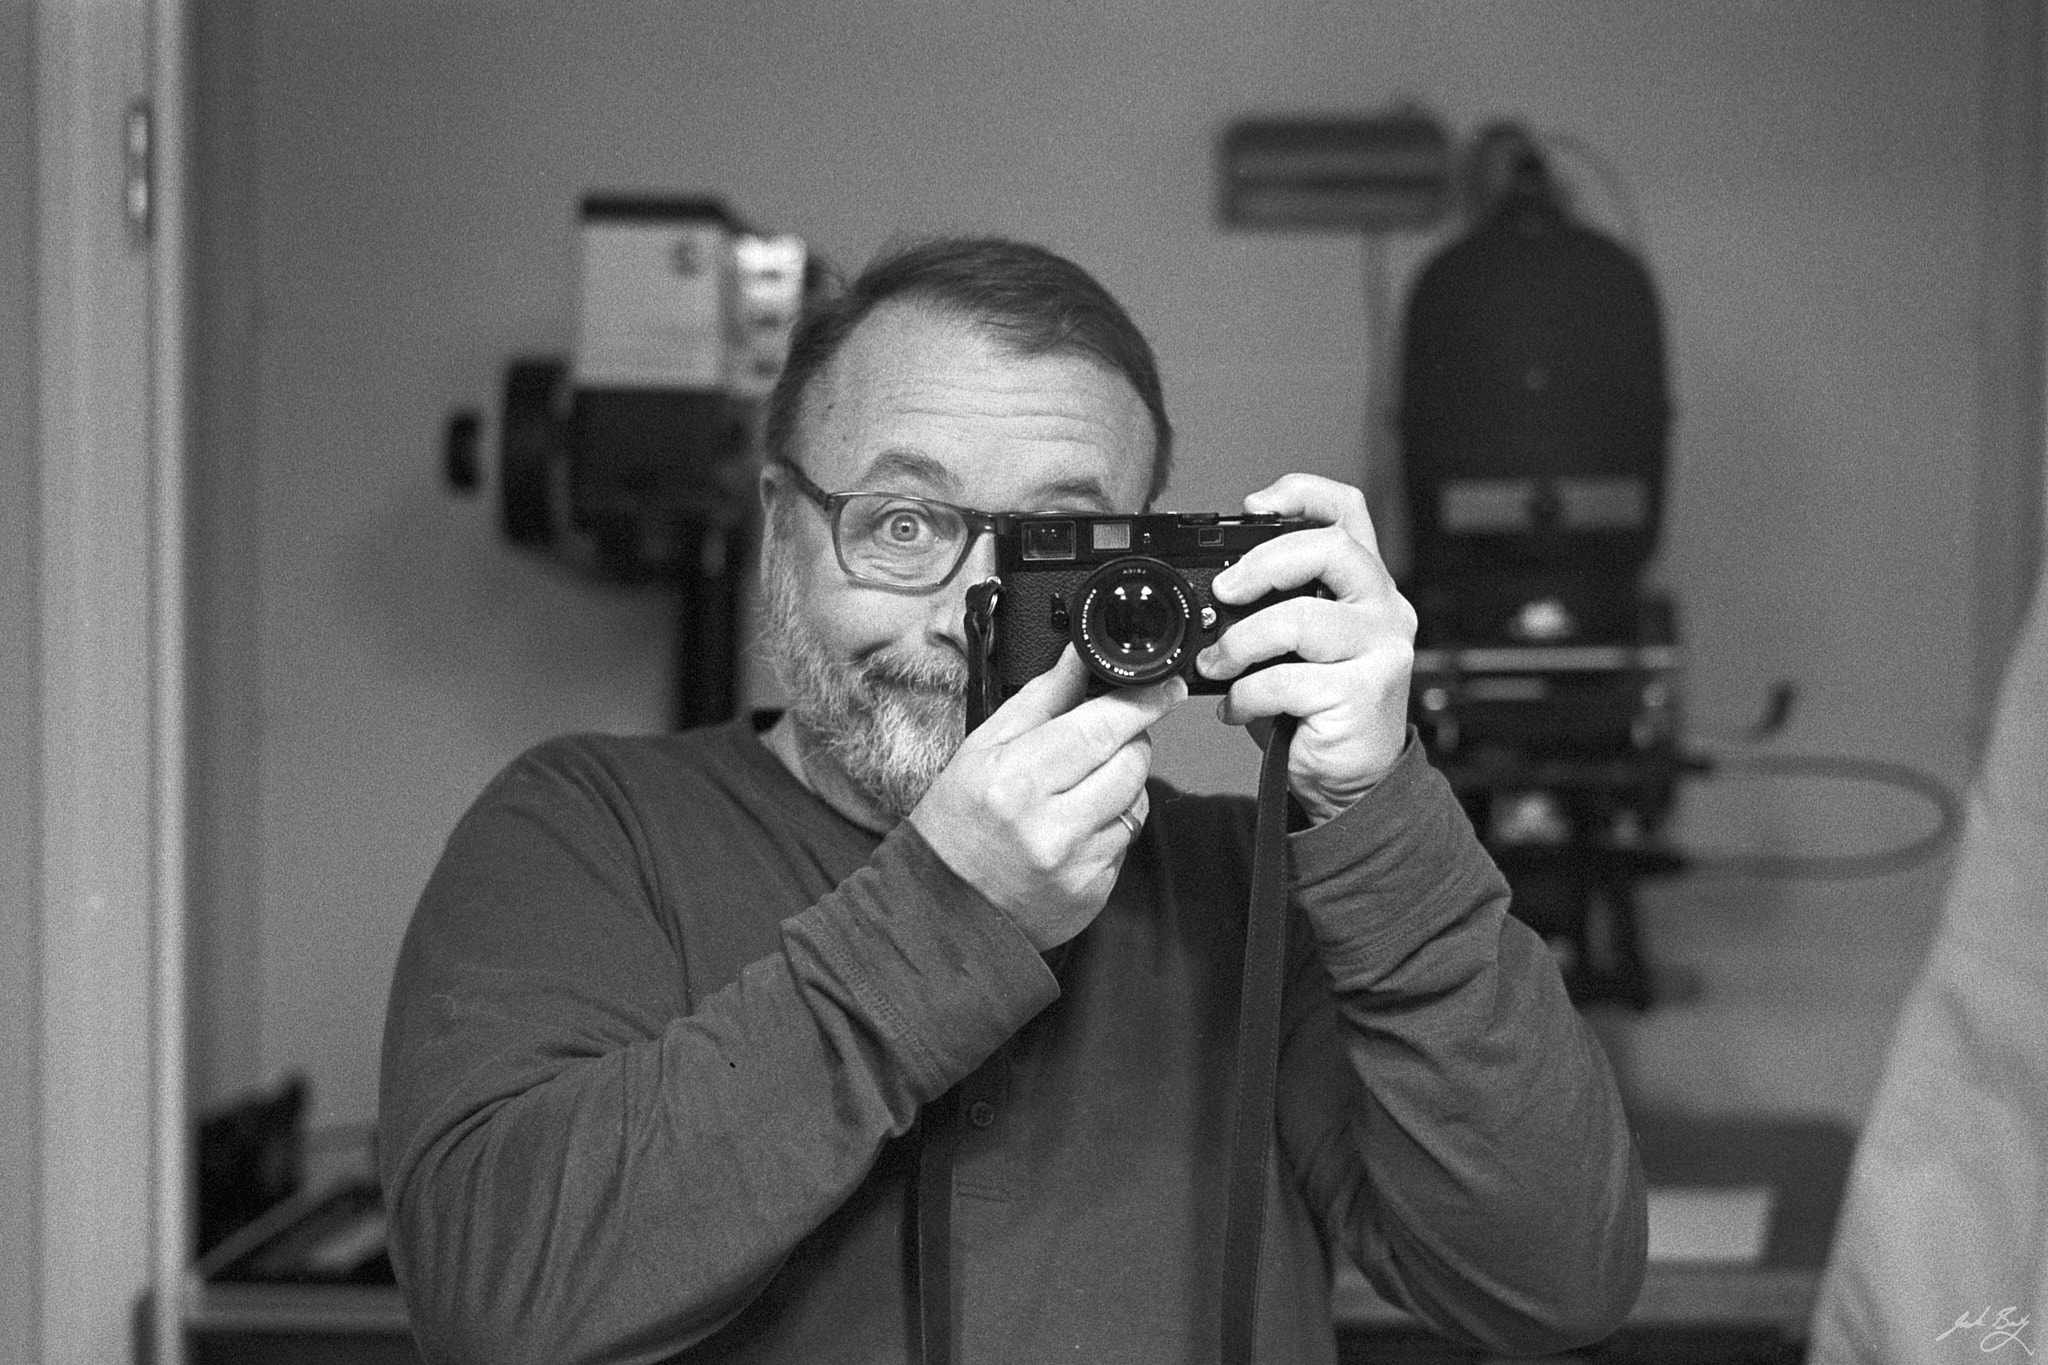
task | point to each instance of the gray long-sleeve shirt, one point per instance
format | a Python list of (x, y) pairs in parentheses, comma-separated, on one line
[(662, 1018)]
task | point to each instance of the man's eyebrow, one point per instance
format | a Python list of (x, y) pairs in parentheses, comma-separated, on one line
[(1062, 493), (1078, 490), (909, 464)]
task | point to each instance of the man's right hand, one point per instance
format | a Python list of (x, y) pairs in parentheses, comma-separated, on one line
[(1026, 813)]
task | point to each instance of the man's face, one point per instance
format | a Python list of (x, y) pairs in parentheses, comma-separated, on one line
[(920, 403)]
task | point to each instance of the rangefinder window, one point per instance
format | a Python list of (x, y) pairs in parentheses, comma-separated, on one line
[(1048, 540), (1110, 535)]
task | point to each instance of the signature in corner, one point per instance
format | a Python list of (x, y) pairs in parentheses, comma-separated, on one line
[(1999, 1332)]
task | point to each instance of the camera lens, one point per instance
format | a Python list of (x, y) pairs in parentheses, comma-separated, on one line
[(1139, 621), (1133, 621)]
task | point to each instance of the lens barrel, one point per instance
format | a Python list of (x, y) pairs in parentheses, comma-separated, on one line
[(1130, 623)]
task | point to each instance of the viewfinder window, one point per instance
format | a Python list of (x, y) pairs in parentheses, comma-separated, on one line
[(1048, 540)]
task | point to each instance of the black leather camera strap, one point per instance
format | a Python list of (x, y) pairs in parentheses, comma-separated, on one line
[(1258, 1054), (937, 1133), (984, 686), (1251, 1124), (931, 1218)]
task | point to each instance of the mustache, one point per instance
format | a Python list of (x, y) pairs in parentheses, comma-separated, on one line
[(942, 675)]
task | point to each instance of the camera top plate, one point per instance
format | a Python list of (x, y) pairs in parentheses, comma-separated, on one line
[(1195, 540)]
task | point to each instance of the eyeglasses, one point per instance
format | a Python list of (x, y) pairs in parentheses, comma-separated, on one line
[(892, 540)]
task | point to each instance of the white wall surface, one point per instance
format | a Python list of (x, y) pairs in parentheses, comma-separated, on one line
[(1808, 178)]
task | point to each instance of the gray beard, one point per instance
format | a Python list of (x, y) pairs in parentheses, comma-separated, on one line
[(889, 724)]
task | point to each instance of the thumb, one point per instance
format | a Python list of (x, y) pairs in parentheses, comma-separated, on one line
[(1054, 692)]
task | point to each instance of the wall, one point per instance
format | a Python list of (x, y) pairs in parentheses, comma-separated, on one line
[(20, 723), (225, 478), (2011, 344), (1806, 178)]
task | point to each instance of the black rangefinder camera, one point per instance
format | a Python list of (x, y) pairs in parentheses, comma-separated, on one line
[(1130, 593)]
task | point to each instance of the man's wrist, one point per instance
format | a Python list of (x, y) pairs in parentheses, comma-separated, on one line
[(928, 957)]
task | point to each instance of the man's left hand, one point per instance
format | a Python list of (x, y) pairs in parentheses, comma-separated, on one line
[(1357, 646)]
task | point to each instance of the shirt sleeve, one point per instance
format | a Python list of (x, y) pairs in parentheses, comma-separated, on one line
[(581, 1164), (1448, 1113)]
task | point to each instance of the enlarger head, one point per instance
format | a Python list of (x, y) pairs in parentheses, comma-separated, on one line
[(1534, 418)]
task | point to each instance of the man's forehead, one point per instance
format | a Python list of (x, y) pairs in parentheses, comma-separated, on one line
[(925, 400), (912, 471)]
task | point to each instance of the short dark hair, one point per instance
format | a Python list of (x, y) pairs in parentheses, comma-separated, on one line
[(1031, 300)]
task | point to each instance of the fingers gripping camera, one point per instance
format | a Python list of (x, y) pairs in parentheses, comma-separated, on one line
[(1130, 593)]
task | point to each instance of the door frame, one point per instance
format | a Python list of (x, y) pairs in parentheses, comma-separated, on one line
[(102, 1115)]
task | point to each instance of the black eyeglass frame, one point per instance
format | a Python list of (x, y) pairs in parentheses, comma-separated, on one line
[(834, 505)]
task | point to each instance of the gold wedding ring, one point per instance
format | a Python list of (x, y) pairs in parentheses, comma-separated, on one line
[(1130, 821)]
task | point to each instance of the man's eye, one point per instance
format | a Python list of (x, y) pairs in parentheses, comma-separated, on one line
[(905, 526)]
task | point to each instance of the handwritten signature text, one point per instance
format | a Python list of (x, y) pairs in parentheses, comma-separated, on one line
[(1999, 1332)]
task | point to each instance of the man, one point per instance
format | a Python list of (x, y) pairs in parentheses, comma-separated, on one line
[(670, 1006)]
